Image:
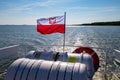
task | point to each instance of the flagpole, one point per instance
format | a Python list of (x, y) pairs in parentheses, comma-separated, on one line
[(64, 33)]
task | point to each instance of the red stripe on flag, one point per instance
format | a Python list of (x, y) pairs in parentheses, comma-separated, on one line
[(48, 29)]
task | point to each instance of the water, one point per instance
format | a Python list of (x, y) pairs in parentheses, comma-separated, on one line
[(93, 36), (28, 37)]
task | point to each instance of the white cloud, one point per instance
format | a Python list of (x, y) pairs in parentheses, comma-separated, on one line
[(100, 9), (37, 4)]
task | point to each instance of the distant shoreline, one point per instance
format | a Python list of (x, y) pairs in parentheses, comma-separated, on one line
[(113, 23)]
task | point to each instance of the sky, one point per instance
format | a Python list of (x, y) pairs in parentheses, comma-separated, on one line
[(77, 11)]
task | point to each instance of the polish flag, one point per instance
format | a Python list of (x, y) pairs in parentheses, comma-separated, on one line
[(51, 25)]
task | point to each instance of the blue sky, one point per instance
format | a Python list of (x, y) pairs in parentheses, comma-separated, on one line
[(78, 11)]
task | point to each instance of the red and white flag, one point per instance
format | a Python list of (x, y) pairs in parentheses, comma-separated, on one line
[(51, 25)]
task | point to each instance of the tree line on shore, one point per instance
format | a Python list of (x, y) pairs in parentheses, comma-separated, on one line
[(112, 23)]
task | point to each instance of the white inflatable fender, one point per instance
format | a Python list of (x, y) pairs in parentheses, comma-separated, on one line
[(12, 70), (30, 69), (44, 70), (54, 70), (27, 69)]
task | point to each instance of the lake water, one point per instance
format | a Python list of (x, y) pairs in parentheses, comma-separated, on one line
[(28, 38)]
